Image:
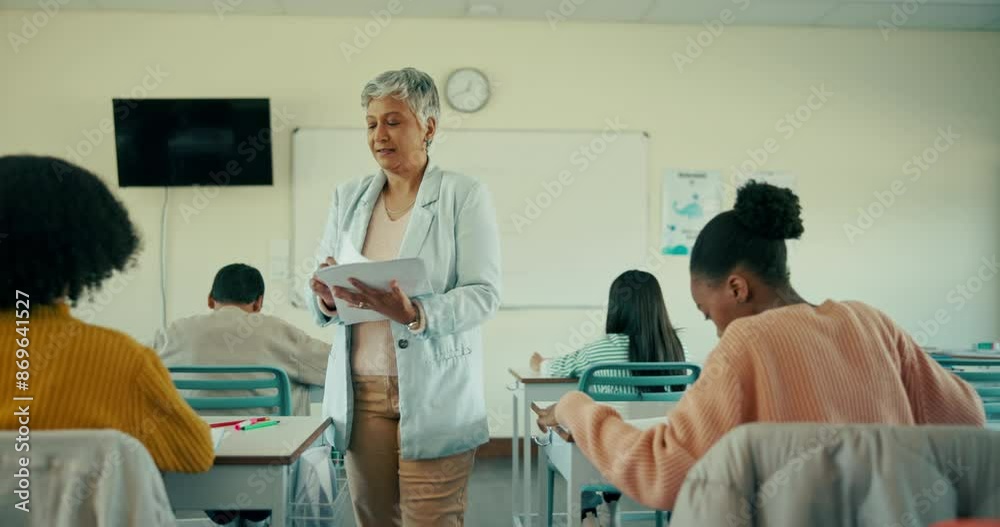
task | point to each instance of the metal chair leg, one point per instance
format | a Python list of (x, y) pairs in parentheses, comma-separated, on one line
[(550, 499), (613, 515)]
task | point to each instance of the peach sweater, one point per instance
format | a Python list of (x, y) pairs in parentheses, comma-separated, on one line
[(840, 362)]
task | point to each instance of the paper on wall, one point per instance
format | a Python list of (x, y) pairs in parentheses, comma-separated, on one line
[(690, 199)]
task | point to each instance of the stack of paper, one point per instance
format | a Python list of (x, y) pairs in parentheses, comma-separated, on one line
[(411, 273)]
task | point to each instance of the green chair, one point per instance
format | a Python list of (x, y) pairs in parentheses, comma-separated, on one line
[(985, 381), (616, 382), (277, 380), (619, 382)]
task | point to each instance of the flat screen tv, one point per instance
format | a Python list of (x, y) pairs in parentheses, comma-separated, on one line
[(183, 142)]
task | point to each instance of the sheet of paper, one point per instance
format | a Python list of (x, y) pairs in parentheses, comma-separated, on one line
[(411, 273), (217, 435), (349, 254), (345, 255)]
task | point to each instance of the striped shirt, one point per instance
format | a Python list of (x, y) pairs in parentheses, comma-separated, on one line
[(609, 349)]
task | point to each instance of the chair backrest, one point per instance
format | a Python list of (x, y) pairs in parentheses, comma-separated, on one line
[(985, 378), (621, 381), (82, 478), (924, 473), (277, 380)]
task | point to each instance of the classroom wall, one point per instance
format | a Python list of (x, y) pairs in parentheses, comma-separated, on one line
[(717, 104)]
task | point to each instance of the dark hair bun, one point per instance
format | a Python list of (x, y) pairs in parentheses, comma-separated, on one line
[(768, 211)]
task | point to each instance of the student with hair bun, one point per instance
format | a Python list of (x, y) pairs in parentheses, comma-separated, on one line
[(780, 358)]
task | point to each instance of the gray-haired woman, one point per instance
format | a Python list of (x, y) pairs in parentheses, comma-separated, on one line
[(406, 394)]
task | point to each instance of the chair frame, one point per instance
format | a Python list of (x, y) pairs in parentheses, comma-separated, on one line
[(589, 380), (279, 381), (990, 394)]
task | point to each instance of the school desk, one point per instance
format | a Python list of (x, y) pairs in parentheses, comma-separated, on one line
[(252, 470), (529, 386)]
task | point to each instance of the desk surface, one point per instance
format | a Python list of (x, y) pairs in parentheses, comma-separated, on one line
[(963, 354), (527, 376), (280, 444), (971, 356), (641, 414)]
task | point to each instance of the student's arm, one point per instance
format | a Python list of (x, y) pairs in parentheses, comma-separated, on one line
[(936, 395), (650, 465), (175, 436), (306, 361), (571, 364), (476, 296)]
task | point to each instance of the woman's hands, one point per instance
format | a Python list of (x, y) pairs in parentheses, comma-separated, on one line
[(320, 288), (394, 304)]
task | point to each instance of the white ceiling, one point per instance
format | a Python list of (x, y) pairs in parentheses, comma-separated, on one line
[(923, 14)]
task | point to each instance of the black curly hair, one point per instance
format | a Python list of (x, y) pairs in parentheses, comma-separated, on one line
[(751, 235), (62, 232)]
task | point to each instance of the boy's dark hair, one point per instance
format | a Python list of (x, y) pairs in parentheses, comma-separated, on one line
[(237, 284)]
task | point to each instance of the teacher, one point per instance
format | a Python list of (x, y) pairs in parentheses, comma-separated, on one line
[(406, 394)]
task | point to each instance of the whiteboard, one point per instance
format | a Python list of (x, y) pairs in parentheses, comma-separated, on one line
[(572, 206)]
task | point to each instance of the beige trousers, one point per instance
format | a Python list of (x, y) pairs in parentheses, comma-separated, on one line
[(391, 491)]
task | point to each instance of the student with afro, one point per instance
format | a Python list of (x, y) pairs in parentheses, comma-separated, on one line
[(65, 234)]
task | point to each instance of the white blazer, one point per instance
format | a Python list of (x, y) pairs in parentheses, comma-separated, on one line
[(453, 229)]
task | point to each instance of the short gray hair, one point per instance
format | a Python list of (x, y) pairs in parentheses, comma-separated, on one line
[(410, 85)]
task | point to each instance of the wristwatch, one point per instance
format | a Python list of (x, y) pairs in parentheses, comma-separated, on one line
[(413, 326)]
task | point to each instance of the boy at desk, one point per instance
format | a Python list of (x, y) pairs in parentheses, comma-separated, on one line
[(235, 332)]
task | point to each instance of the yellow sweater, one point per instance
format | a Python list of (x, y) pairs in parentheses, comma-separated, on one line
[(86, 376)]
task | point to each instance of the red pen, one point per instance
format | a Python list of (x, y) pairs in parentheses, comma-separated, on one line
[(224, 423)]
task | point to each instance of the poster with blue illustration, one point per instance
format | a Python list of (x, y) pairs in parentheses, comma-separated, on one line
[(690, 199)]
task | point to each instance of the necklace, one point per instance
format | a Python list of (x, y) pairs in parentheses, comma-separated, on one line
[(390, 212)]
